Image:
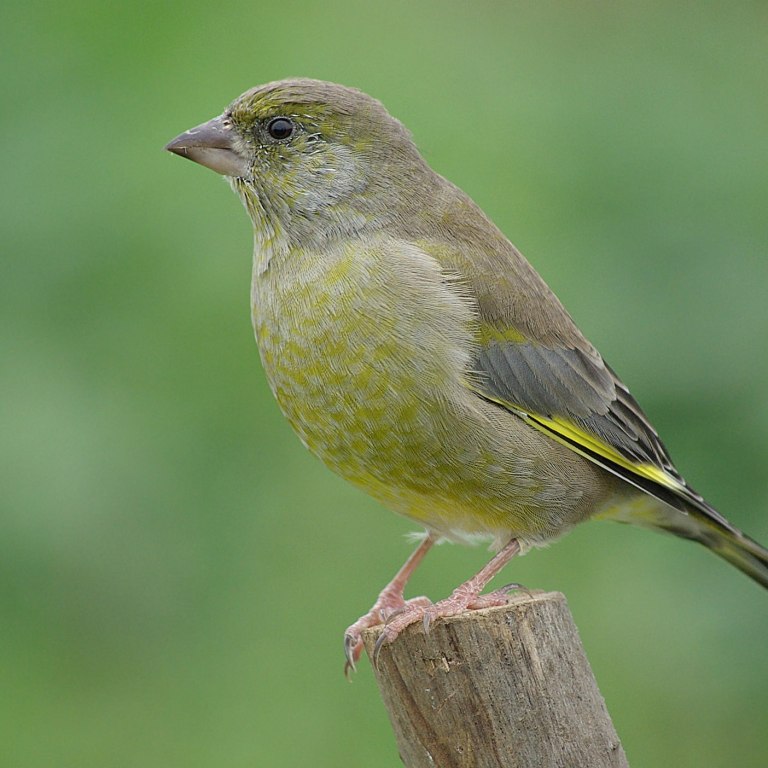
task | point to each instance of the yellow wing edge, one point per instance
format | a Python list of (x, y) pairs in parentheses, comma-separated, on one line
[(569, 434)]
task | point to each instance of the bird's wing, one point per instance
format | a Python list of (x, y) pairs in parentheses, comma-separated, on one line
[(532, 360)]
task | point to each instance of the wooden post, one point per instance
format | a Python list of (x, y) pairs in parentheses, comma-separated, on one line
[(503, 687)]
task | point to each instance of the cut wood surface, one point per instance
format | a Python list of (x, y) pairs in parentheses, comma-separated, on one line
[(507, 686)]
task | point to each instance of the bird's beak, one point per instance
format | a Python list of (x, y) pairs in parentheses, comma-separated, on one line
[(212, 145)]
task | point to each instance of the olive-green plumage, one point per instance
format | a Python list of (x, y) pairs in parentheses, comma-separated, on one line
[(413, 348)]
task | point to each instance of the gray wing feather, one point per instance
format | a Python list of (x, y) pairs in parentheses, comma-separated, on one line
[(573, 384)]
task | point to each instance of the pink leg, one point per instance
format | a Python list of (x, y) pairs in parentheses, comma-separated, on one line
[(466, 596), (389, 601)]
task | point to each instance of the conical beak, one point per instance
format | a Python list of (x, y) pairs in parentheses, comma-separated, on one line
[(212, 145)]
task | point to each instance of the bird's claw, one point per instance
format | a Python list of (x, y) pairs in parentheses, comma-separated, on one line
[(379, 614), (380, 641), (353, 647), (353, 637), (496, 598)]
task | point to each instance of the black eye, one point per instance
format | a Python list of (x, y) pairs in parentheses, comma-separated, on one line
[(280, 128)]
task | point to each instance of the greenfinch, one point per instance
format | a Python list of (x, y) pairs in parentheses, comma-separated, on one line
[(420, 356)]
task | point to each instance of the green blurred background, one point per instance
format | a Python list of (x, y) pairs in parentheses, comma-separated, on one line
[(175, 570)]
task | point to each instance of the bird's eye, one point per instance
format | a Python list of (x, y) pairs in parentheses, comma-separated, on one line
[(280, 128)]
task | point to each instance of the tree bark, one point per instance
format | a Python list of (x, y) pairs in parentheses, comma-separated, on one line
[(507, 686)]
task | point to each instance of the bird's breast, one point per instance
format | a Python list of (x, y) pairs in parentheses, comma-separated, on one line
[(364, 347)]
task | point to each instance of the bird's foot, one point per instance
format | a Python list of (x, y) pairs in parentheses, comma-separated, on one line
[(388, 605), (493, 599), (462, 599), (389, 602)]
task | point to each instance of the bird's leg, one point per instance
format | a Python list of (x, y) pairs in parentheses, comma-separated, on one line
[(466, 596), (389, 602)]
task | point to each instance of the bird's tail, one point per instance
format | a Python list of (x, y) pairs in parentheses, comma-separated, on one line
[(699, 523), (739, 550)]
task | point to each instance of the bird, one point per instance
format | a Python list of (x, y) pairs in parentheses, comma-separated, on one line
[(420, 356)]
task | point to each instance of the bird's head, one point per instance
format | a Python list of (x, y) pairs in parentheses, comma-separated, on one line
[(309, 159)]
